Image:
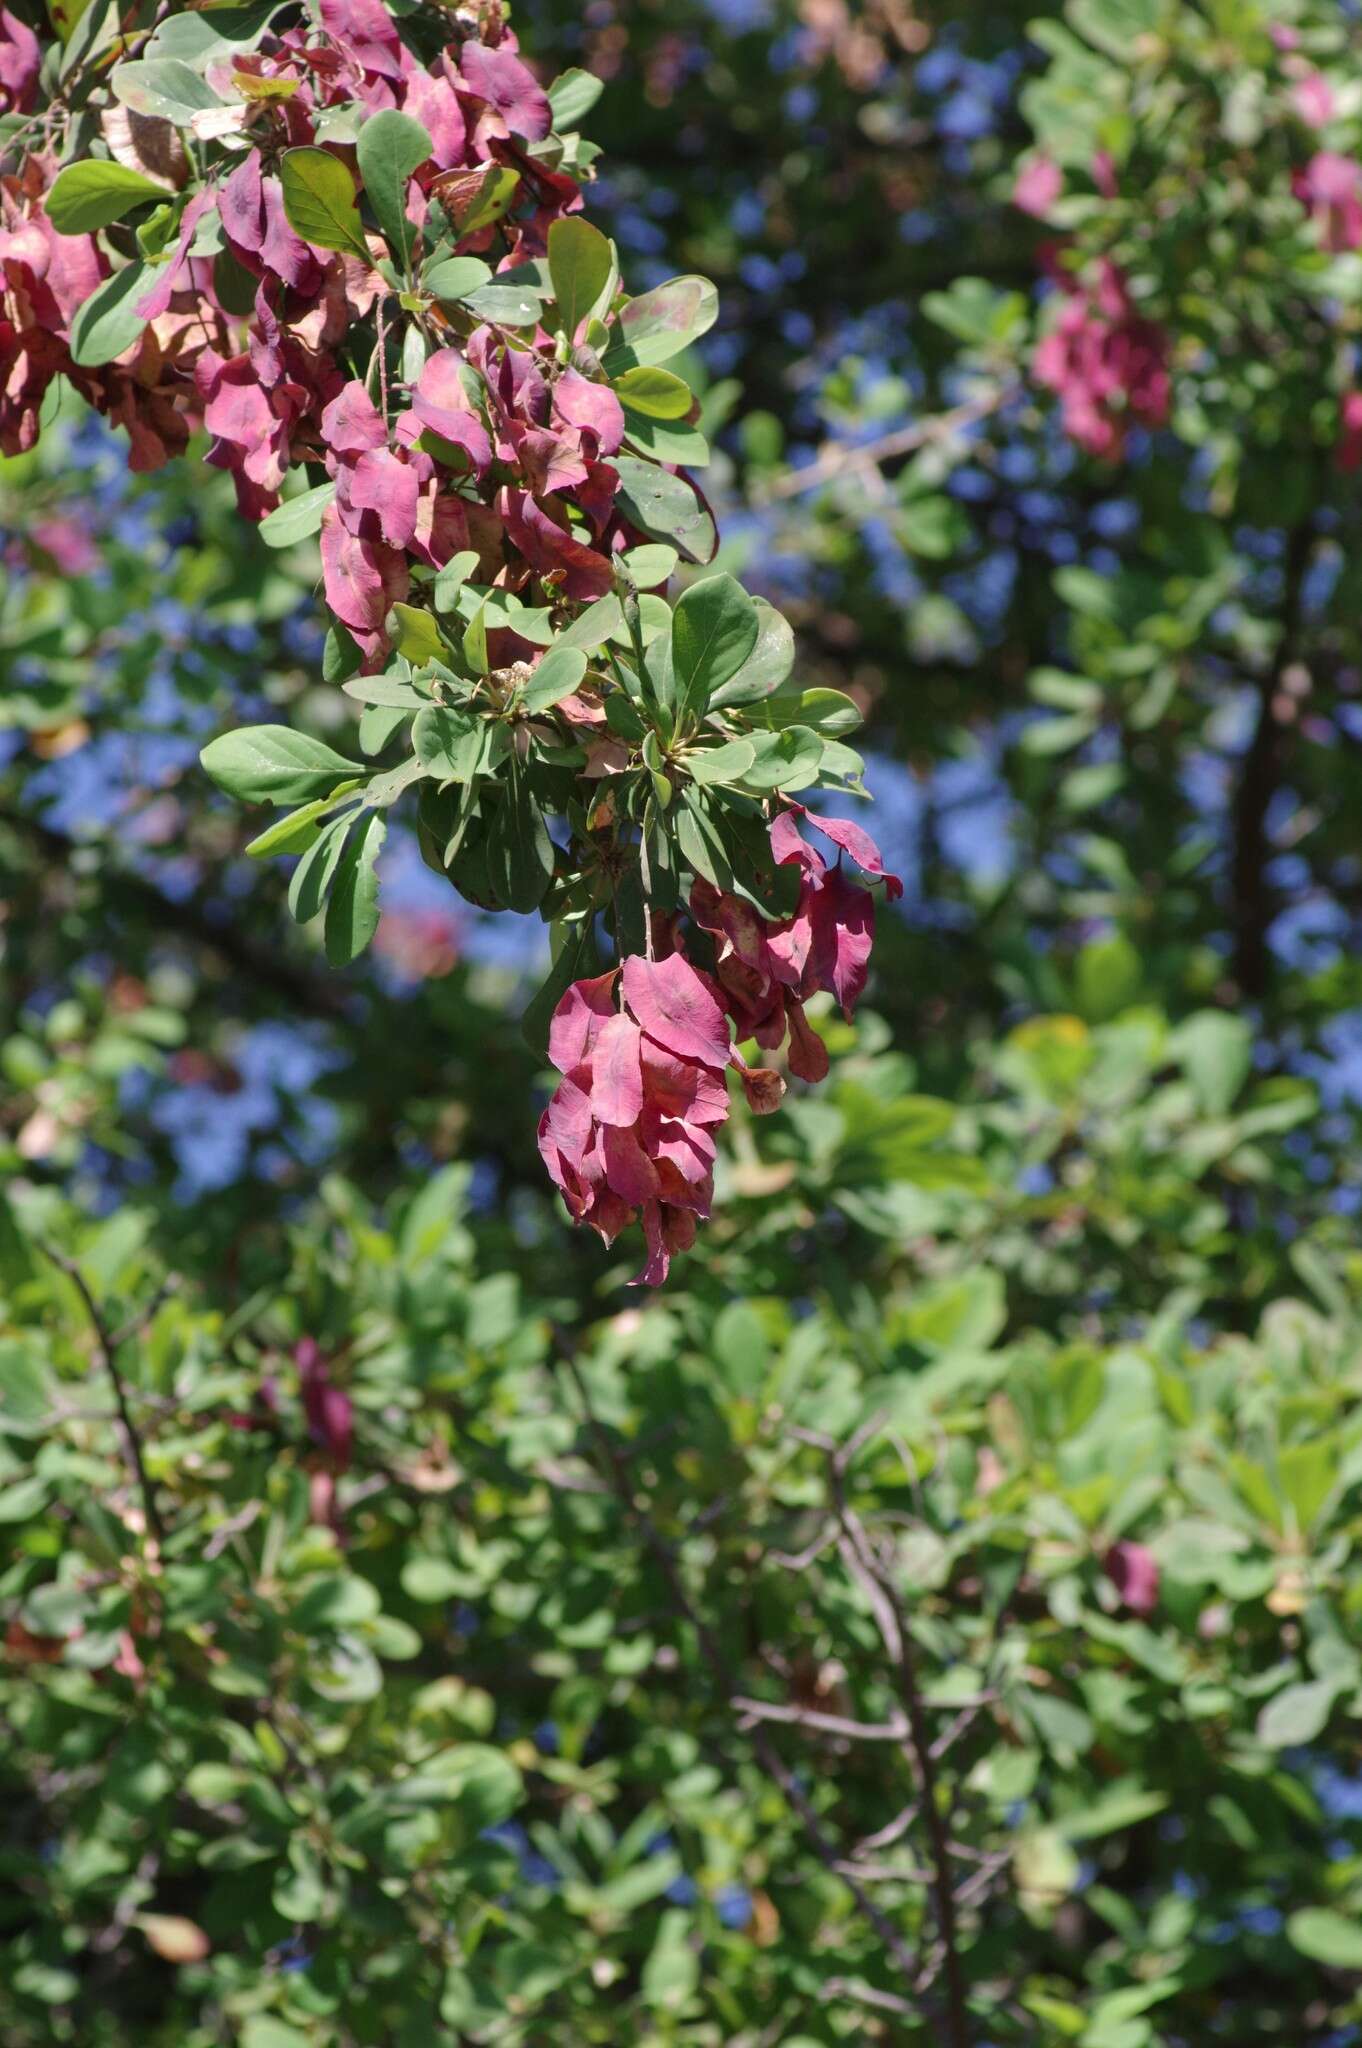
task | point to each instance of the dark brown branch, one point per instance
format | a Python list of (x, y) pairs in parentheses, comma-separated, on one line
[(769, 1758), (108, 1342), (1251, 904), (866, 1569)]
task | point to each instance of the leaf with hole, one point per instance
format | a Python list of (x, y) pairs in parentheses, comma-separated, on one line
[(666, 507)]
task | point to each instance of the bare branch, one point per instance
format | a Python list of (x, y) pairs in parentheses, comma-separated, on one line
[(107, 1342)]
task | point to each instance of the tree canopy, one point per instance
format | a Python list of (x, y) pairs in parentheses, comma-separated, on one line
[(525, 547)]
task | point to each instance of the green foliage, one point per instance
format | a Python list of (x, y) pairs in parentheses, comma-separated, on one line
[(561, 1705)]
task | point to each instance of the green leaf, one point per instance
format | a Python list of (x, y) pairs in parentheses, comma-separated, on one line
[(352, 914), (492, 199), (319, 200), (768, 665), (656, 393), (264, 2032), (556, 677), (572, 96), (454, 277), (823, 711), (106, 323), (574, 955), (715, 626), (649, 565), (296, 832), (1298, 1713), (1326, 1937), (390, 148), (600, 622), (475, 642), (509, 300), (416, 635), (91, 195), (431, 1579), (272, 764), (450, 742), (316, 870), (667, 440), (65, 15), (975, 311), (581, 267), (519, 850), (657, 326), (297, 517), (701, 844), (727, 763), (340, 654), (163, 89), (24, 1498), (392, 690), (451, 579), (787, 760)]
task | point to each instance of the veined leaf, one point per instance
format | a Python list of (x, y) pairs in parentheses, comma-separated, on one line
[(91, 195), (319, 200), (390, 148), (657, 326), (352, 913), (297, 517), (556, 677), (273, 764), (714, 629), (581, 265)]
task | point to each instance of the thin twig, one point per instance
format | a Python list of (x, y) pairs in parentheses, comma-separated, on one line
[(825, 1724), (766, 1754), (108, 1343), (868, 1573), (866, 1994), (868, 455)]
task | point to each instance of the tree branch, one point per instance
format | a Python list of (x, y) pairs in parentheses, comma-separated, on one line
[(867, 1571), (843, 457), (108, 1343), (769, 1758)]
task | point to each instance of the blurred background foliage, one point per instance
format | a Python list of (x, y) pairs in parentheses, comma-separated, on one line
[(482, 1653)]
